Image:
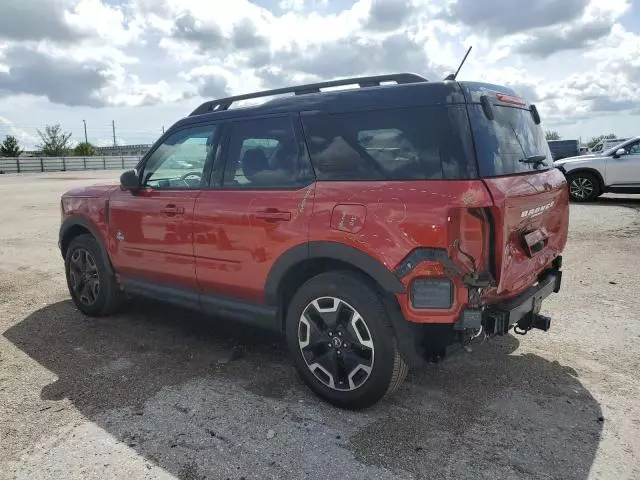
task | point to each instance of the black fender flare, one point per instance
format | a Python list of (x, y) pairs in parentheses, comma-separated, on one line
[(387, 279), (77, 221)]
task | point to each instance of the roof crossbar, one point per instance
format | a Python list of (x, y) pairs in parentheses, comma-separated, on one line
[(362, 82)]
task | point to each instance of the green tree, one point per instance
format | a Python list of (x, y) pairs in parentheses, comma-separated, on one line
[(595, 140), (84, 149), (10, 147), (552, 135), (55, 142)]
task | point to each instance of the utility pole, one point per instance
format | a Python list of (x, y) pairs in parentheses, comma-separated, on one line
[(113, 126), (163, 129), (85, 131)]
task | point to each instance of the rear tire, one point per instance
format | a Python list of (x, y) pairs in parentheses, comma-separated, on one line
[(341, 340), (91, 283), (583, 187)]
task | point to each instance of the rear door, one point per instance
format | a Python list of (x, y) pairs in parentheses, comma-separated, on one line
[(259, 206), (151, 231), (530, 197), (624, 171)]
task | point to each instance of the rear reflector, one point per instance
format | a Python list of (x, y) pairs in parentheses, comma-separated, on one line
[(436, 293)]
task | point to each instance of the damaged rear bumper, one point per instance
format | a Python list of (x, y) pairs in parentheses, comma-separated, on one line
[(521, 312)]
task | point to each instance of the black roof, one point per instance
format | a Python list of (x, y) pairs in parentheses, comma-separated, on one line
[(410, 90)]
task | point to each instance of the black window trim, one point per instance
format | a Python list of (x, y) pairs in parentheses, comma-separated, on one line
[(220, 164), (139, 168)]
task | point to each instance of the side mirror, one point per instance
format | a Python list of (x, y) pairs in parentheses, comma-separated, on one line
[(620, 152), (129, 181)]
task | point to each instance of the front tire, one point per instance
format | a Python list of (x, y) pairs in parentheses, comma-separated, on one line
[(91, 283), (583, 187), (343, 345)]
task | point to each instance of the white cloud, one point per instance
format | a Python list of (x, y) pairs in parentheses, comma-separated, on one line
[(95, 19), (25, 139), (573, 58)]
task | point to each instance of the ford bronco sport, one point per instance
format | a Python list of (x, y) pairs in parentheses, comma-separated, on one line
[(375, 227)]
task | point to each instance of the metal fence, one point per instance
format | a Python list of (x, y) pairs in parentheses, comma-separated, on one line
[(64, 164)]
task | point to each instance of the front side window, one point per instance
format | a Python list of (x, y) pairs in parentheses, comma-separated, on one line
[(178, 163), (633, 149), (264, 153), (397, 144)]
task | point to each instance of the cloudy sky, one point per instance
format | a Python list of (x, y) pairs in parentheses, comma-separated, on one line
[(146, 63)]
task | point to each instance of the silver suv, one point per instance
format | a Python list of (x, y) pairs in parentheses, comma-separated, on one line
[(616, 170)]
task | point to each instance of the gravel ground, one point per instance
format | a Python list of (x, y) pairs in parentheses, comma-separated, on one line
[(163, 393)]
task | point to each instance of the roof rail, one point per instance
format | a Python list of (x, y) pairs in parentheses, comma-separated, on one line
[(371, 81)]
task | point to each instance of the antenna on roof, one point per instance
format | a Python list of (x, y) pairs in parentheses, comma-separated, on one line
[(452, 76)]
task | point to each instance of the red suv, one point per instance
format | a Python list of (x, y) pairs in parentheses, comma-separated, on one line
[(375, 226)]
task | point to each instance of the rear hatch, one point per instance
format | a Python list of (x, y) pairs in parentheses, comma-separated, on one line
[(531, 205)]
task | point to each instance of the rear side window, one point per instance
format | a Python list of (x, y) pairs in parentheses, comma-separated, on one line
[(399, 144), (265, 153), (507, 144)]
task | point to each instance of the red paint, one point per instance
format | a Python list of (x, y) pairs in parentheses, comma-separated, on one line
[(402, 216), (348, 218), (226, 241), (513, 196), (239, 234), (157, 226)]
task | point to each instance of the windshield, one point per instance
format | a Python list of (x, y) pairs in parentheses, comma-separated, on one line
[(512, 143)]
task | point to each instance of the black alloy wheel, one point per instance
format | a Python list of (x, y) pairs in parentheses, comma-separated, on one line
[(336, 343), (341, 340), (91, 280), (83, 276)]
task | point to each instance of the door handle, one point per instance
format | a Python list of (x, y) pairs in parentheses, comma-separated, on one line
[(172, 210), (273, 215)]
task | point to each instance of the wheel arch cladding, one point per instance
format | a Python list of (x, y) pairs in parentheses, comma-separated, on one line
[(73, 227), (300, 263), (297, 258)]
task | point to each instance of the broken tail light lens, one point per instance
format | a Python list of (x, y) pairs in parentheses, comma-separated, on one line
[(432, 293)]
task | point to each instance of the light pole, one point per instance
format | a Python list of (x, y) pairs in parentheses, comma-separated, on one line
[(85, 132)]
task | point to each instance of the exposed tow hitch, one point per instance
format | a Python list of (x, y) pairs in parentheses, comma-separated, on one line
[(533, 320)]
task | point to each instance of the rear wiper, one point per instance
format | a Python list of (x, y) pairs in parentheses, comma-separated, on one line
[(535, 159)]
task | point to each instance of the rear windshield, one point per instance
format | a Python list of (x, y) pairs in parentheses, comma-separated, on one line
[(399, 144), (511, 143)]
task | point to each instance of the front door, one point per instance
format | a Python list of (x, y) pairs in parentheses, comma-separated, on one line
[(151, 231), (624, 171), (261, 207)]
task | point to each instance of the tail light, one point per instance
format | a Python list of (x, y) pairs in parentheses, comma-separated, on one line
[(469, 235)]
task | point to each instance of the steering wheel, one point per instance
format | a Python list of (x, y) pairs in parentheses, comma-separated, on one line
[(196, 175)]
